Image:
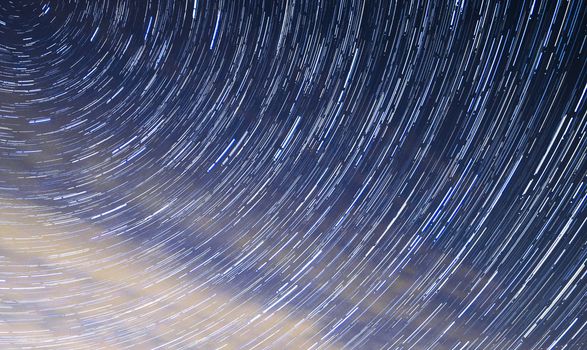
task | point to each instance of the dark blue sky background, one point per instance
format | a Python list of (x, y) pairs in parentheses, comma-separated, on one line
[(386, 175)]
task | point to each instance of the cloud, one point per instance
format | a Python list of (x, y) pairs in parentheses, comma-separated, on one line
[(63, 289)]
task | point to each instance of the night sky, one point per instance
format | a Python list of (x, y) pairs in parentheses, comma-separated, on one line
[(293, 174)]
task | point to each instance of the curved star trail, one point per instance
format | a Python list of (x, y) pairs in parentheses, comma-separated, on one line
[(293, 174)]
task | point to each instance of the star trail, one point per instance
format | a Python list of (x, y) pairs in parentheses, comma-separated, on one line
[(293, 174)]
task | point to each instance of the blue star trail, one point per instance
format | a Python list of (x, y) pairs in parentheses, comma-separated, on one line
[(293, 174)]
